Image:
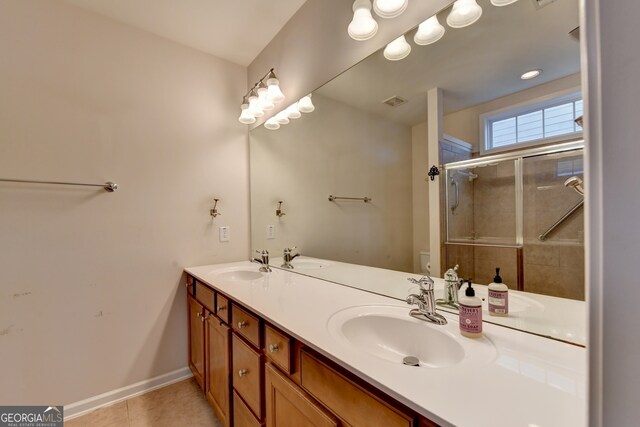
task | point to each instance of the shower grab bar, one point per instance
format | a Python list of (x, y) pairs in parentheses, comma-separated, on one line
[(334, 198), (551, 229), (108, 186)]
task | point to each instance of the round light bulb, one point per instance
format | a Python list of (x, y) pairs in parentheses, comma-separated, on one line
[(273, 90), (253, 106), (430, 31), (464, 13), (305, 105), (264, 103), (363, 26), (282, 118), (246, 117), (272, 124), (293, 112), (501, 3), (389, 8), (397, 49)]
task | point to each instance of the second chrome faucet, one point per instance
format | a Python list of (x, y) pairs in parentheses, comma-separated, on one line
[(288, 258)]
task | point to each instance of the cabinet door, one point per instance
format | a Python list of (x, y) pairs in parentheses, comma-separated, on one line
[(289, 406), (218, 367), (196, 340)]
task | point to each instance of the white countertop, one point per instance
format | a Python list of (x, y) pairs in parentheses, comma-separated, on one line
[(531, 381), (559, 318)]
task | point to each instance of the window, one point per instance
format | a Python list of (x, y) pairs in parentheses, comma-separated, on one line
[(542, 122)]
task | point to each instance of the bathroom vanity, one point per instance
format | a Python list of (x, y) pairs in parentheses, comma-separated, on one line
[(282, 348)]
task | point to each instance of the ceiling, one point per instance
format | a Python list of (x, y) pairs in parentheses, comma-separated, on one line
[(472, 65), (235, 30)]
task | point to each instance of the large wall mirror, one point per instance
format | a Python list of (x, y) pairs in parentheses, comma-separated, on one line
[(509, 157)]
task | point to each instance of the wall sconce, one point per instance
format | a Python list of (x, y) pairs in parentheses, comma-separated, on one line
[(260, 98), (214, 212), (279, 212)]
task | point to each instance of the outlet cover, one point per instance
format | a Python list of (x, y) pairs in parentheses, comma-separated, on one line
[(271, 231), (224, 233)]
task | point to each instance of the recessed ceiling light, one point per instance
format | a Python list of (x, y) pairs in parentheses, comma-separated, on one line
[(531, 74)]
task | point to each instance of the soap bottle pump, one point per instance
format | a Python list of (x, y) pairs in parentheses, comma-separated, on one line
[(470, 313), (498, 296)]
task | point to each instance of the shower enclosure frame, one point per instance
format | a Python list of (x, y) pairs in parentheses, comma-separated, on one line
[(517, 157)]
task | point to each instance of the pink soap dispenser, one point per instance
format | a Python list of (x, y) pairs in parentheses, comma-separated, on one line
[(470, 313)]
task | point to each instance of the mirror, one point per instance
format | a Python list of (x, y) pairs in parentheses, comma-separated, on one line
[(347, 183)]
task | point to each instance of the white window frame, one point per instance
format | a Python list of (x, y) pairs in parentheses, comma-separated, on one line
[(548, 101)]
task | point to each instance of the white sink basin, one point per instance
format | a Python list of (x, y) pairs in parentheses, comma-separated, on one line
[(239, 275), (389, 333), (309, 264)]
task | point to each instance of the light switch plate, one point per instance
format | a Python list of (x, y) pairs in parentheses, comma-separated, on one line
[(271, 231), (225, 233)]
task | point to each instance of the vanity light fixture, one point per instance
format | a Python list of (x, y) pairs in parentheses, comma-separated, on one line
[(272, 124), (389, 8), (464, 13), (246, 117), (397, 49), (362, 26), (531, 74), (305, 105), (430, 31), (501, 3), (292, 111), (260, 98)]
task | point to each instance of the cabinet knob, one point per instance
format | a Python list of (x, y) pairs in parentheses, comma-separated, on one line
[(242, 324), (242, 372), (221, 307), (199, 314), (273, 348), (204, 318), (186, 285)]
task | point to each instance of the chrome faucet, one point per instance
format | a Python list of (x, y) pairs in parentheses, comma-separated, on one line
[(425, 301), (452, 284), (264, 260), (288, 258)]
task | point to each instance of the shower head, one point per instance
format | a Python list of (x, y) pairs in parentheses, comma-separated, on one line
[(576, 183)]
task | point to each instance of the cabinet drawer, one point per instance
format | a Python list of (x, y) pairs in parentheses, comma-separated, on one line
[(205, 295), (346, 399), (242, 416), (246, 325), (278, 348), (247, 374), (222, 308)]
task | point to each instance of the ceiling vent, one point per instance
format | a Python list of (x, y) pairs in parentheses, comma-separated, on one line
[(541, 3), (394, 101)]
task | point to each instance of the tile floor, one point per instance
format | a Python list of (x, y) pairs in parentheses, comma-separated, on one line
[(179, 404)]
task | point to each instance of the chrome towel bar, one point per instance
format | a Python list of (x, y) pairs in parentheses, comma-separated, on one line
[(570, 212), (108, 186), (334, 198)]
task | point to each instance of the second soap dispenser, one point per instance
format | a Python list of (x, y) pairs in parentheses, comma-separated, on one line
[(470, 313)]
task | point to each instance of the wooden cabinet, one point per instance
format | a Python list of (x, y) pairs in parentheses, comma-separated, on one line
[(218, 368), (287, 405), (294, 387), (349, 401), (196, 340)]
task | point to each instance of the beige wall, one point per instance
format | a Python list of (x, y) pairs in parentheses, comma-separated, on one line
[(90, 298), (420, 190), (342, 151), (465, 124)]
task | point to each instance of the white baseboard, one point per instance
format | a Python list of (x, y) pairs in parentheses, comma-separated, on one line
[(82, 407)]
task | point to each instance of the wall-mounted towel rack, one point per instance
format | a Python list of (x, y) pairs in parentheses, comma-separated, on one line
[(364, 199), (108, 186)]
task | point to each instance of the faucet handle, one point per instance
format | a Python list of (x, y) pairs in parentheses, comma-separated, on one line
[(290, 249), (426, 283), (262, 252)]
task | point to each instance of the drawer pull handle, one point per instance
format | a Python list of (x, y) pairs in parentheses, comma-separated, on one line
[(242, 372), (221, 307), (205, 318), (273, 348), (186, 285), (242, 324)]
